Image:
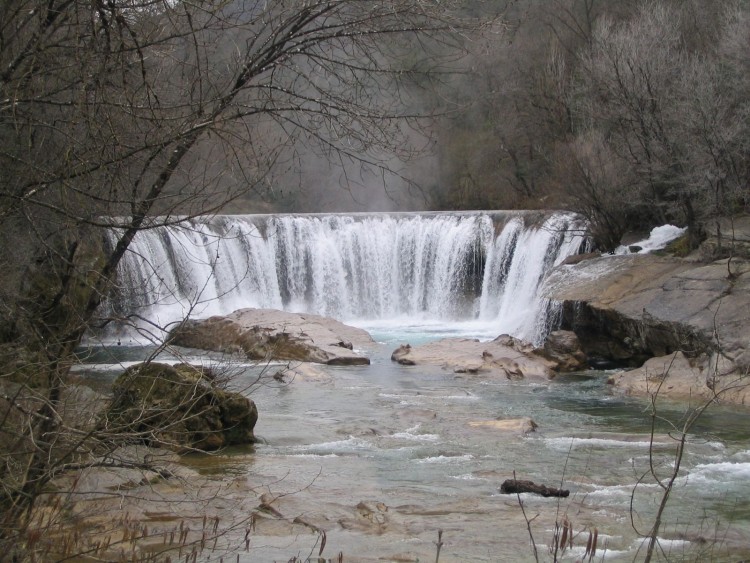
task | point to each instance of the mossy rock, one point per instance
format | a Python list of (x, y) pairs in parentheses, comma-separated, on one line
[(182, 408)]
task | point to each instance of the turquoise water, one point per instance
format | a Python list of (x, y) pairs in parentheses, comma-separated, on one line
[(381, 457)]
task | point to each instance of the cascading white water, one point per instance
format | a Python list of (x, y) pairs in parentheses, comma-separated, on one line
[(441, 267), (516, 267)]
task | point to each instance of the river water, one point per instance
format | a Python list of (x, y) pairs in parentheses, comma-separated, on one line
[(382, 457)]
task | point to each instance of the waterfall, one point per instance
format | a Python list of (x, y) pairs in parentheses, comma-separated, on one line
[(436, 266)]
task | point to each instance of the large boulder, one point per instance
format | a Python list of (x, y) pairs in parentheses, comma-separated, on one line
[(678, 376), (268, 334), (181, 407)]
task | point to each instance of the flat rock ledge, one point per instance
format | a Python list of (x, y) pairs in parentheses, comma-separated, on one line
[(504, 356), (269, 334)]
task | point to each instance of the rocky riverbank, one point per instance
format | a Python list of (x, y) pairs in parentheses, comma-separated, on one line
[(641, 310)]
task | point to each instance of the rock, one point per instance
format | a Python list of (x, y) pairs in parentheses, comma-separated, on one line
[(303, 372), (124, 468), (679, 377), (505, 356), (401, 355), (631, 308), (267, 334), (181, 408), (514, 486), (522, 425), (673, 374), (371, 517), (564, 348)]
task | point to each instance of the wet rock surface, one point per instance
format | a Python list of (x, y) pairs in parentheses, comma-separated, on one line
[(523, 425)]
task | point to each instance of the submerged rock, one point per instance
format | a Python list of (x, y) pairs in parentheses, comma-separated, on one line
[(180, 408), (268, 334), (523, 425)]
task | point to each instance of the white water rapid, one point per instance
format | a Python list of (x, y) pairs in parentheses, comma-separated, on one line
[(458, 267)]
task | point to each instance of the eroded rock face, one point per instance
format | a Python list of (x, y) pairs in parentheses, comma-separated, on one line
[(180, 408), (267, 334)]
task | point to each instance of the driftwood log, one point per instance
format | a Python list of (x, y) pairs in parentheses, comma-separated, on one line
[(513, 486)]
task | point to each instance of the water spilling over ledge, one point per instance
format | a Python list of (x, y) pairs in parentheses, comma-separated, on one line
[(440, 267)]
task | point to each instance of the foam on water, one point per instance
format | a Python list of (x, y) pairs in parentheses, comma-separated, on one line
[(440, 459), (568, 443), (718, 473), (341, 447), (415, 437)]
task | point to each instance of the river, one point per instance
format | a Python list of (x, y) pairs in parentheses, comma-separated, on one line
[(382, 457)]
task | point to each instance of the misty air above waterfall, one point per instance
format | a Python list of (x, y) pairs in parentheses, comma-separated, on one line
[(478, 266)]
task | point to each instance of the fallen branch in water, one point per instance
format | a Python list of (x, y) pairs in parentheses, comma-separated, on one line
[(514, 486)]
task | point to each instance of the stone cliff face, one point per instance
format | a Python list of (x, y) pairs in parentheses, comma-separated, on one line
[(627, 309)]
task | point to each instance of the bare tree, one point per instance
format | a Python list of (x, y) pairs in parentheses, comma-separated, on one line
[(669, 113), (123, 116)]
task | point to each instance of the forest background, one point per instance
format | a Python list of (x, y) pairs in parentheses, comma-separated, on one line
[(632, 113)]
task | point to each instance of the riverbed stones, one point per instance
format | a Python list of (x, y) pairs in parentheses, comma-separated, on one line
[(268, 334), (181, 408)]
